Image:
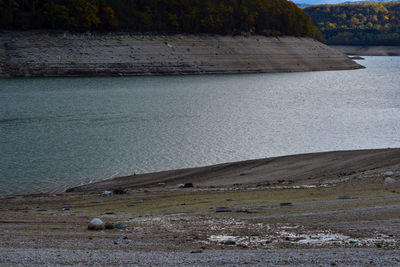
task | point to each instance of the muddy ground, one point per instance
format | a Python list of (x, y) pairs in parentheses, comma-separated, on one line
[(348, 217)]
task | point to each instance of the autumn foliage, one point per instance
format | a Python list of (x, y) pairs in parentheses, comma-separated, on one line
[(267, 17), (358, 24)]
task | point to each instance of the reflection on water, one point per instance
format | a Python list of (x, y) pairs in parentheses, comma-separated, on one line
[(57, 132)]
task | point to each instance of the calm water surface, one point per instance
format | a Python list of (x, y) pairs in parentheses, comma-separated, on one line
[(59, 132)]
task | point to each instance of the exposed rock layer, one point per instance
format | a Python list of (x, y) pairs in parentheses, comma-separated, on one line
[(44, 54)]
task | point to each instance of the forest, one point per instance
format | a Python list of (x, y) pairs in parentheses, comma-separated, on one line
[(358, 24), (266, 17)]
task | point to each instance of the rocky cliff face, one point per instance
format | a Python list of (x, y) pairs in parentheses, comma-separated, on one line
[(43, 54)]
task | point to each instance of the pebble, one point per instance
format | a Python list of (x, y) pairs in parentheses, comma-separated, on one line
[(67, 207), (42, 209), (389, 180), (222, 209), (96, 224), (186, 185), (120, 225), (196, 251), (285, 204), (344, 197), (136, 201), (229, 242), (119, 191), (110, 213)]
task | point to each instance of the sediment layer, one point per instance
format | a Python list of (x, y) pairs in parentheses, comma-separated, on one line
[(60, 54)]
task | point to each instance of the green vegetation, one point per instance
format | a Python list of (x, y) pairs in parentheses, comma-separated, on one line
[(267, 17), (358, 24)]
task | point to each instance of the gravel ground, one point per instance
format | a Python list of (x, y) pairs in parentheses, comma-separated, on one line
[(270, 257)]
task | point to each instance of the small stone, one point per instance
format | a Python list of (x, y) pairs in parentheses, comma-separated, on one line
[(42, 209), (120, 225), (229, 242), (222, 209), (119, 191), (67, 207), (388, 173), (389, 180), (283, 204), (196, 251), (186, 185), (110, 213), (109, 226), (229, 199), (242, 174), (107, 193), (136, 201), (344, 197), (96, 224)]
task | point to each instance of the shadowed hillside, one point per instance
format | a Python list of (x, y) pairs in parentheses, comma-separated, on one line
[(266, 17)]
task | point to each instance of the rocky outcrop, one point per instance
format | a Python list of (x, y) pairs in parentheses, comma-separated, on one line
[(60, 54)]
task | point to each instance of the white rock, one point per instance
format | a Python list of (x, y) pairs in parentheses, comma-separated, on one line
[(96, 224), (389, 180), (388, 173)]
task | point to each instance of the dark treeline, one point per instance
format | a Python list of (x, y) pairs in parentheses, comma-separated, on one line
[(267, 17), (358, 24)]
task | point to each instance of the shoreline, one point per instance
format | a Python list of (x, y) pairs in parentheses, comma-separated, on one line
[(369, 50), (249, 172), (37, 54), (246, 173)]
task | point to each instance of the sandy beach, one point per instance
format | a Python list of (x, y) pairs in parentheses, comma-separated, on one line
[(334, 208)]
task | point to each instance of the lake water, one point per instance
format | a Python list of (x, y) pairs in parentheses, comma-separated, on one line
[(60, 132)]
